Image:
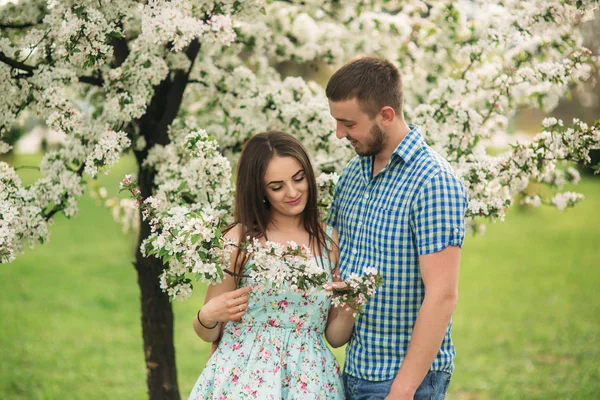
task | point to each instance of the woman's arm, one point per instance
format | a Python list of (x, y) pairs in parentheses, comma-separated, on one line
[(340, 322), (223, 302)]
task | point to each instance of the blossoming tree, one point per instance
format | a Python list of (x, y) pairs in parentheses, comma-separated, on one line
[(182, 84)]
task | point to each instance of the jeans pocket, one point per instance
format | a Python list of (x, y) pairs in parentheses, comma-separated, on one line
[(446, 382), (440, 381), (350, 385)]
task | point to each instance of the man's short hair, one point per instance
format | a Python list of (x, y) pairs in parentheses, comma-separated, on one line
[(374, 82)]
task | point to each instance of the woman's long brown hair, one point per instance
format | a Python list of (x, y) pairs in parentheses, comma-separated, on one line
[(252, 210)]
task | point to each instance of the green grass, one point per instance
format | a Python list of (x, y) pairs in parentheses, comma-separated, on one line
[(526, 325)]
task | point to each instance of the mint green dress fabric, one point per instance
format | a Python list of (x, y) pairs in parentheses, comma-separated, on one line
[(277, 351)]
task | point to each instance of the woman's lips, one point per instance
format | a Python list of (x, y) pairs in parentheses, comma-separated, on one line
[(294, 202)]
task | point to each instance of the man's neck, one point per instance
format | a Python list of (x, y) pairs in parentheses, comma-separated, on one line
[(396, 134)]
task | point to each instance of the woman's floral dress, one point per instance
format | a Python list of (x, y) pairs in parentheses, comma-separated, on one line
[(276, 352)]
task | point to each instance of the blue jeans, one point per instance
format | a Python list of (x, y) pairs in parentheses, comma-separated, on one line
[(433, 387)]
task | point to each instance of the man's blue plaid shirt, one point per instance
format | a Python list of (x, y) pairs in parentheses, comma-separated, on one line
[(414, 206)]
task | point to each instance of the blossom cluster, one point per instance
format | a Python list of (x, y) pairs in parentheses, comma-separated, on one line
[(326, 187), (191, 171), (20, 219), (359, 290), (189, 241), (492, 182), (187, 237), (279, 267)]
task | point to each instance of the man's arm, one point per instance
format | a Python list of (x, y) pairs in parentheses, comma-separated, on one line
[(440, 276), (437, 223)]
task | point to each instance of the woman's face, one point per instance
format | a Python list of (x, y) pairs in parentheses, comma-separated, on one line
[(286, 186)]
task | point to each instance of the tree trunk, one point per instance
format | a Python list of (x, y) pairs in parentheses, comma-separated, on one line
[(157, 314)]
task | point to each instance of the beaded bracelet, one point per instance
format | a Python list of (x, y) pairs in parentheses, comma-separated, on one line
[(200, 322)]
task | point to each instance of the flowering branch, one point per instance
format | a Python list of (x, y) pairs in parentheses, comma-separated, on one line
[(358, 291)]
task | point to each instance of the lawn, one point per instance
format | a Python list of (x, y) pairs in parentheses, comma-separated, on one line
[(526, 325)]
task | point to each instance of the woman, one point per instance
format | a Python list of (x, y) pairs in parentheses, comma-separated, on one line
[(273, 348)]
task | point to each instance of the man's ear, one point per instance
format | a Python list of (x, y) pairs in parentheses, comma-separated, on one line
[(387, 115)]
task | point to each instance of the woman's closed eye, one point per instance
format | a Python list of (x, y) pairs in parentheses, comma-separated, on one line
[(299, 179)]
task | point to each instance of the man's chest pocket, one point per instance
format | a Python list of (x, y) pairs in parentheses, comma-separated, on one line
[(388, 228)]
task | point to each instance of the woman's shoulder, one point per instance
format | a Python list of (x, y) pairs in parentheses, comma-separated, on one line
[(234, 232)]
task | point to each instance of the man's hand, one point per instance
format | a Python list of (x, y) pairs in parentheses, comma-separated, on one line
[(399, 393)]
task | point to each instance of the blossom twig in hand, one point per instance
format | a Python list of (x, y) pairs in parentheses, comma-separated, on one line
[(291, 267), (359, 289)]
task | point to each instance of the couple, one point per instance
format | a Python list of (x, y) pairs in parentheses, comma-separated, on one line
[(397, 207)]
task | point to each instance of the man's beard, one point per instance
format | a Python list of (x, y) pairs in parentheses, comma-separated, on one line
[(375, 143)]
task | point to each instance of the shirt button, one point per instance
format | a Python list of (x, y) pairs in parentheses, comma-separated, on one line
[(354, 251), (366, 195), (359, 224)]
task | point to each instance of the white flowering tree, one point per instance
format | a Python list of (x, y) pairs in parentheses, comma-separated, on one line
[(183, 83)]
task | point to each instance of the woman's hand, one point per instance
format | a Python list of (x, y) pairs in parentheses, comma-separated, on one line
[(340, 321), (338, 285), (228, 306)]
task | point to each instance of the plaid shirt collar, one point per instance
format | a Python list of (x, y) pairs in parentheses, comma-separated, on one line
[(404, 152), (410, 145)]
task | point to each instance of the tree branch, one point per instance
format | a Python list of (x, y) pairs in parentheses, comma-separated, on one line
[(92, 80), (121, 51), (22, 25), (177, 88), (19, 26), (30, 68), (198, 82), (16, 64)]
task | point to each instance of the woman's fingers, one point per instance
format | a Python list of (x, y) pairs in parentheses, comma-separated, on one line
[(235, 311), (335, 285), (239, 296), (238, 315), (238, 301), (244, 291)]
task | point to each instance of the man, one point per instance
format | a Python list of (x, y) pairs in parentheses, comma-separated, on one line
[(398, 207)]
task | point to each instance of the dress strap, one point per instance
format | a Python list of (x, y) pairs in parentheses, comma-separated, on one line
[(328, 245)]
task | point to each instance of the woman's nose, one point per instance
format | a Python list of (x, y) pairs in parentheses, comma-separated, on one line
[(292, 192)]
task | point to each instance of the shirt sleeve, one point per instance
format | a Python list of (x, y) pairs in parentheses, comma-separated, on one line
[(332, 216), (438, 214)]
